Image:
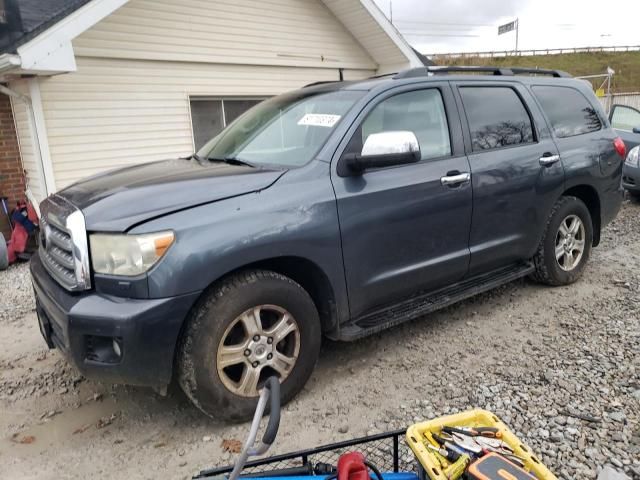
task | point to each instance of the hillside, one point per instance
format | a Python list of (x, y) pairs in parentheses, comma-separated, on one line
[(626, 65)]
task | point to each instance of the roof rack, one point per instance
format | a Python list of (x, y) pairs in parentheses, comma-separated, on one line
[(502, 71), (322, 82)]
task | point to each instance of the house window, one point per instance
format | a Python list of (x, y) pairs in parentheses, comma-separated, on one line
[(209, 116)]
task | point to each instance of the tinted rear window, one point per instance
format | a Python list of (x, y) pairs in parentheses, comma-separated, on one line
[(497, 117), (568, 110)]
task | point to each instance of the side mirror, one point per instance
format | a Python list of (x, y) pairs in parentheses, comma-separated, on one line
[(636, 130), (384, 149)]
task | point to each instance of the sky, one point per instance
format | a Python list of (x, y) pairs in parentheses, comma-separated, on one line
[(447, 26)]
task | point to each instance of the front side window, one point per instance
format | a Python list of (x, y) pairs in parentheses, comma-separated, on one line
[(421, 112), (625, 118), (287, 130), (497, 117), (568, 110)]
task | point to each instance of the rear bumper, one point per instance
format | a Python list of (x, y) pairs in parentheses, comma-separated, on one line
[(83, 327), (631, 178)]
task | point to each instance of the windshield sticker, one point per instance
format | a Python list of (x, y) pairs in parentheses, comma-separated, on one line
[(319, 120)]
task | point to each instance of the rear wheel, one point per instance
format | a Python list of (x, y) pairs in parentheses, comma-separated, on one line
[(566, 245), (252, 326), (4, 254)]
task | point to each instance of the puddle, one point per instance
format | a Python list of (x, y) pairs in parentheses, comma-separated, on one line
[(63, 428)]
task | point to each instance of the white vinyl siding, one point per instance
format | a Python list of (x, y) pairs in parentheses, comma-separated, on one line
[(117, 112), (257, 32), (26, 141)]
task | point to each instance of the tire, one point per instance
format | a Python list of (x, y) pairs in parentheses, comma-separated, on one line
[(4, 255), (565, 270), (218, 331)]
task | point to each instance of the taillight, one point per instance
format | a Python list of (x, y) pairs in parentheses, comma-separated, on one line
[(620, 147)]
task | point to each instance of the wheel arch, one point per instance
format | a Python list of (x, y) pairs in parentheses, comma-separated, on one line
[(303, 271), (589, 196)]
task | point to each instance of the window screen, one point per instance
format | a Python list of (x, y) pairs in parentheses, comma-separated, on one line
[(625, 118), (210, 117), (497, 117), (568, 110), (421, 112)]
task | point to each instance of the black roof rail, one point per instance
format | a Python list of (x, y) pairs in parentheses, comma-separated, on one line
[(541, 71), (502, 71), (425, 71), (322, 82)]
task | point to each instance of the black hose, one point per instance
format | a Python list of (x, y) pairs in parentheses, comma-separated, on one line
[(374, 469)]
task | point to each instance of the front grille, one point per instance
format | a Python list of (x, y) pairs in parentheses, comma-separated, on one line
[(63, 243)]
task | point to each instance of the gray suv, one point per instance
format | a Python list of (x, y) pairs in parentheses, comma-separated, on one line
[(336, 210), (626, 121)]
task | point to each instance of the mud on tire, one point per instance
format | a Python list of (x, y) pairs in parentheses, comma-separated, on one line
[(548, 269), (215, 318)]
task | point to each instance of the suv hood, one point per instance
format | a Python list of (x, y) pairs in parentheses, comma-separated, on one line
[(117, 200)]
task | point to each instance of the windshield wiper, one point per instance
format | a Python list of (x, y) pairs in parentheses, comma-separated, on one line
[(231, 161)]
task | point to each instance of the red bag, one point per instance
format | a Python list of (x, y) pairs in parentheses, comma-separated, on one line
[(18, 243)]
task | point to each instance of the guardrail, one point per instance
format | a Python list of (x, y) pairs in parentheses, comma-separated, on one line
[(525, 53)]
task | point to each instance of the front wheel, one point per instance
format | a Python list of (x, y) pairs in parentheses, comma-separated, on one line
[(566, 244), (250, 327)]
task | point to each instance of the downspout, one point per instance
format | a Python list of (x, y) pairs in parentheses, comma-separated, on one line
[(32, 117)]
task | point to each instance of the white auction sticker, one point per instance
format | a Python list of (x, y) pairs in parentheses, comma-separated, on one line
[(319, 120)]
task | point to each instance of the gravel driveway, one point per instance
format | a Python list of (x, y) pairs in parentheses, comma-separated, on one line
[(561, 366)]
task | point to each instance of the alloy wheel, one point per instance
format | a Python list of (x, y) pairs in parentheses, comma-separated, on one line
[(261, 342), (570, 243)]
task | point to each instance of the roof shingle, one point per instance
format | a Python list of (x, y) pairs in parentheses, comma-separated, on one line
[(32, 17)]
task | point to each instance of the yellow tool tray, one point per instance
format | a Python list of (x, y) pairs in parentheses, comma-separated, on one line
[(419, 435)]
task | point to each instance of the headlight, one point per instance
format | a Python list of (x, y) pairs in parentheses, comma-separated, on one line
[(632, 157), (128, 255)]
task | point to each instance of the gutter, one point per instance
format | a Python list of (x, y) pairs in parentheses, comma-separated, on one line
[(9, 61), (27, 101)]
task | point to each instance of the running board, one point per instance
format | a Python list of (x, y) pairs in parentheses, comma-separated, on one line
[(424, 303)]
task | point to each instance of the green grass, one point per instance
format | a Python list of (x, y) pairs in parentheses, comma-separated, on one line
[(626, 65)]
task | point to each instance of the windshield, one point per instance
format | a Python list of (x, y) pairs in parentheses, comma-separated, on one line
[(287, 130)]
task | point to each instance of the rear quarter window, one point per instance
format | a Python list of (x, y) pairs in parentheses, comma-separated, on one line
[(568, 110)]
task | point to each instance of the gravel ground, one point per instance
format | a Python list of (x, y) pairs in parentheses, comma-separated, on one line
[(16, 293), (559, 365)]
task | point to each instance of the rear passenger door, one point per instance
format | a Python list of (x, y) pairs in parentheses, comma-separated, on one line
[(516, 172)]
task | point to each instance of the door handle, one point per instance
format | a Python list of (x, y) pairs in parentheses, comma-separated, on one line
[(549, 159), (455, 180)]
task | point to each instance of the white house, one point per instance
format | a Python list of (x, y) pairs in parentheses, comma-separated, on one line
[(98, 84)]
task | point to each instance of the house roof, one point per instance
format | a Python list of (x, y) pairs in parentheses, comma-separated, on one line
[(28, 18), (42, 32), (423, 58)]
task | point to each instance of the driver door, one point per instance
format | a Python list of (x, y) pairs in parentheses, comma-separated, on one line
[(405, 228), (626, 122)]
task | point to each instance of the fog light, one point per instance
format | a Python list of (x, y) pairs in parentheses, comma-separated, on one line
[(103, 349), (116, 348)]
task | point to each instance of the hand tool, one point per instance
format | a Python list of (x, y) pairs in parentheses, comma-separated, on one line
[(464, 442), (489, 432), (457, 469)]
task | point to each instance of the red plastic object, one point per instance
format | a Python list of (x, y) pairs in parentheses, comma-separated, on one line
[(351, 467), (620, 147), (18, 243)]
